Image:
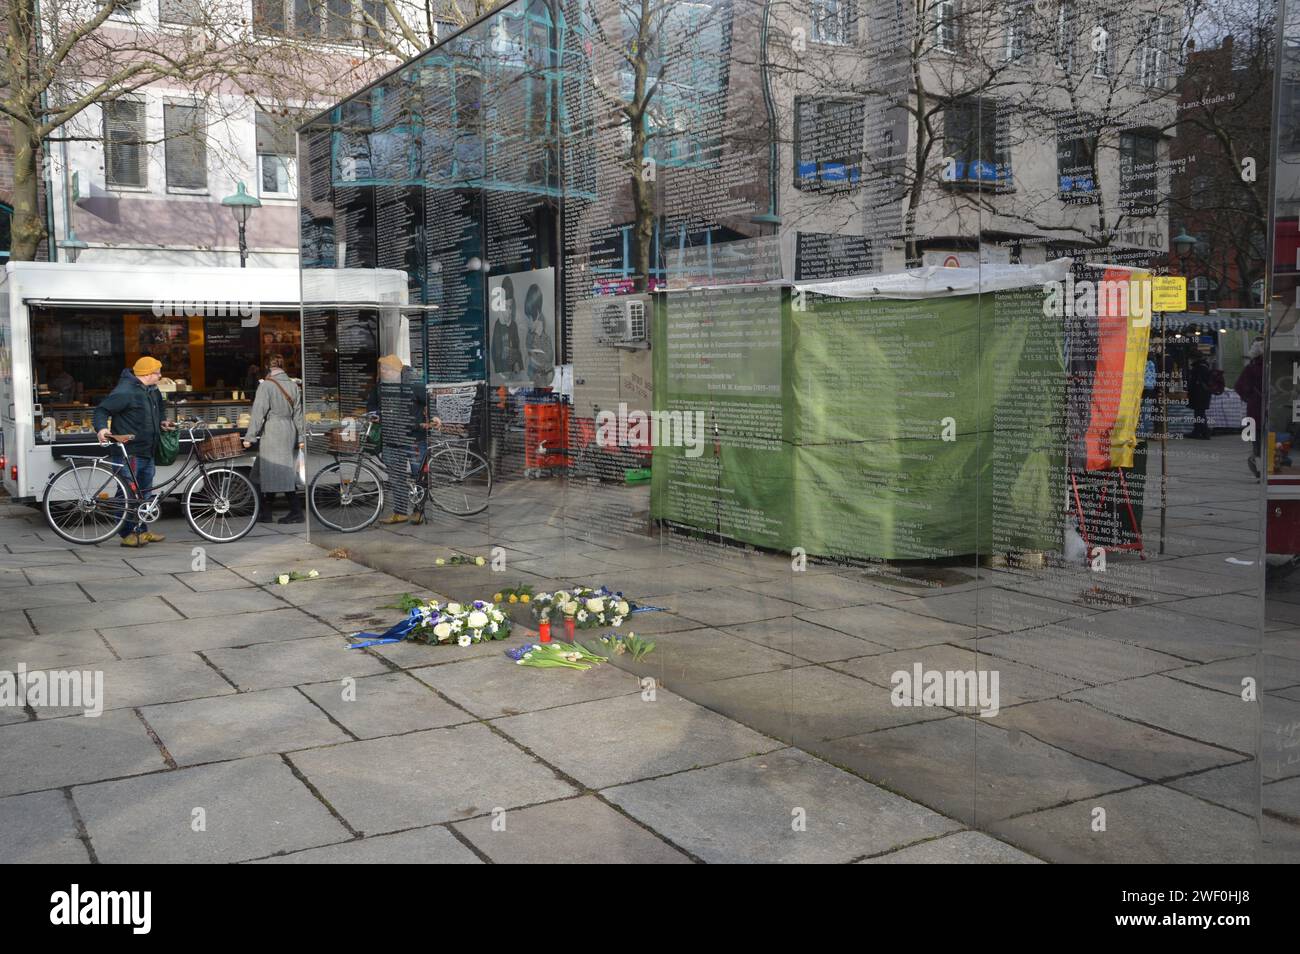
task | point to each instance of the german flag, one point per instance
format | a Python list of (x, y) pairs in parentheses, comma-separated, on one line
[(1123, 333)]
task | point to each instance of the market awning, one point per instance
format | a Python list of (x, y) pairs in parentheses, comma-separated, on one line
[(1177, 321), (935, 281)]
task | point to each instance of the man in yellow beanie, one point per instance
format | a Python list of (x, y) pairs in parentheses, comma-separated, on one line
[(135, 406)]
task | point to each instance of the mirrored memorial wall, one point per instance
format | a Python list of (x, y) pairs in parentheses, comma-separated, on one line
[(846, 339)]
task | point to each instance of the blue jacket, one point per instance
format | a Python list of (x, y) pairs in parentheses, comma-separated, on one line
[(135, 409)]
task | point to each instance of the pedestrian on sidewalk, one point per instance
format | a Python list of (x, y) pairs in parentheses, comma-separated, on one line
[(1250, 387), (276, 423), (1200, 387), (136, 407)]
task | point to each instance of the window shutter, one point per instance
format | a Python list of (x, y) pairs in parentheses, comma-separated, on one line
[(186, 148), (125, 152)]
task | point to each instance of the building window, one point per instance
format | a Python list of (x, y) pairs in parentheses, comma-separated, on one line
[(1103, 63), (833, 21), (6, 230), (1018, 19), (975, 143), (1076, 158), (1137, 173), (828, 143), (186, 149), (1202, 291), (125, 151), (947, 33), (179, 11), (341, 20), (276, 155), (1153, 53), (1065, 36), (1257, 292)]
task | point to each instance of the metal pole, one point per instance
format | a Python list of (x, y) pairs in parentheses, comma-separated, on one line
[(243, 244), (1162, 379)]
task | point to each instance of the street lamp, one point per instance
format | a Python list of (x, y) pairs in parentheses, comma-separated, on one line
[(1183, 245), (242, 204), (72, 246)]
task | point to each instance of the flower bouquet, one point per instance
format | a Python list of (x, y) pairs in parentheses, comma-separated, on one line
[(461, 623), (588, 608), (552, 656), (616, 644)]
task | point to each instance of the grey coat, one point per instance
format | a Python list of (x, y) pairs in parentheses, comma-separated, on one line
[(278, 423)]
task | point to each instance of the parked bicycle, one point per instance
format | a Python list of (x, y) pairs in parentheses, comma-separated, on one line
[(348, 495), (92, 496)]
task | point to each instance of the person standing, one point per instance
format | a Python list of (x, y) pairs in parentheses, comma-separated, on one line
[(136, 407), (1200, 387), (1250, 387), (276, 423)]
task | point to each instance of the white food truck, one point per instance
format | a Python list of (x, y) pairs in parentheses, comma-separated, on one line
[(67, 331)]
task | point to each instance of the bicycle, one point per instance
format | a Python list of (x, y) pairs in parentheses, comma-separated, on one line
[(90, 499), (348, 495)]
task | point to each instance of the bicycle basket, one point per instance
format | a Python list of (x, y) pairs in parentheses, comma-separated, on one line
[(220, 447), (343, 440)]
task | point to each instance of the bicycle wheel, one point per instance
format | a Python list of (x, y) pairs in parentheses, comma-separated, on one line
[(221, 504), (346, 496), (460, 481), (85, 503)]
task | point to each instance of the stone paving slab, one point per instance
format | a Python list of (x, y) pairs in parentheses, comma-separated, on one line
[(293, 662), (227, 602), (1233, 786), (895, 626), (806, 704), (1178, 634), (16, 626), (1087, 659), (102, 568), (1203, 714), (805, 640), (82, 648), (237, 726), (172, 559), (252, 807), (50, 753), (705, 655), (387, 704), (1270, 673), (970, 770), (329, 568), (423, 778), (39, 829), (725, 607), (132, 612), (617, 740), (495, 686), (361, 590), (241, 629), (827, 591), (1283, 799), (106, 591), (130, 683), (575, 831), (1151, 824), (1017, 683), (744, 811), (1279, 737), (677, 579), (423, 846), (51, 557), (49, 594), (1123, 744), (214, 578), (961, 848)]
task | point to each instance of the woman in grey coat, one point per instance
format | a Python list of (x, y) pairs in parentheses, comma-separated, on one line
[(276, 421)]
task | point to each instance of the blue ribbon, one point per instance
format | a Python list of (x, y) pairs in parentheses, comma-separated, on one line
[(649, 609), (394, 634)]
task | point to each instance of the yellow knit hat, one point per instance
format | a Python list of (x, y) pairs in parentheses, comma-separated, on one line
[(146, 365)]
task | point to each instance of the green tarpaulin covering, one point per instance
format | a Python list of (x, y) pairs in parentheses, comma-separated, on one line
[(885, 429)]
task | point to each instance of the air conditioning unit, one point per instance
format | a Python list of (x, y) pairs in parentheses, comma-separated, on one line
[(622, 322)]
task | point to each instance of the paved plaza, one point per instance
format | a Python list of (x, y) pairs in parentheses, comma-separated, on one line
[(239, 727)]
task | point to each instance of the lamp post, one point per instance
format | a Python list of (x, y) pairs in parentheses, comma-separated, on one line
[(242, 204)]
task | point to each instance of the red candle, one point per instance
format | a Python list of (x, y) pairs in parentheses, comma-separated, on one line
[(568, 628), (544, 630)]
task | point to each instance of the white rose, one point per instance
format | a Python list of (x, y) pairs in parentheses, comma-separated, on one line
[(479, 561), (596, 605), (478, 619), (617, 621), (453, 608), (570, 608), (497, 615), (282, 579), (464, 640), (622, 608), (442, 631), (312, 574), (561, 597), (493, 628)]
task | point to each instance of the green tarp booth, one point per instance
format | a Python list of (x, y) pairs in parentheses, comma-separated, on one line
[(904, 417)]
